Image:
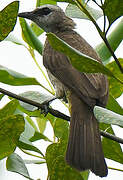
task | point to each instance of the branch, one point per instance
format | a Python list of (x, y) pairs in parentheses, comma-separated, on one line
[(102, 34), (54, 112)]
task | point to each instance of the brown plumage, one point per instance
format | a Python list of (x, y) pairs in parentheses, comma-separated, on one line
[(84, 91)]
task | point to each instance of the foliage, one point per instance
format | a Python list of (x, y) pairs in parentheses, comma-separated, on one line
[(17, 128)]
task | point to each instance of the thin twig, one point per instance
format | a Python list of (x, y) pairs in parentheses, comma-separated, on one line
[(54, 112)]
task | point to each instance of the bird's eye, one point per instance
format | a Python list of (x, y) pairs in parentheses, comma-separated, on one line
[(43, 11)]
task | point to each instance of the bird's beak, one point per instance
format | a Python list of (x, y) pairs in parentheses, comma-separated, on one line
[(27, 15)]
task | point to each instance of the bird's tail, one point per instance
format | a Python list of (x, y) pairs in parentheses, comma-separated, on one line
[(84, 149)]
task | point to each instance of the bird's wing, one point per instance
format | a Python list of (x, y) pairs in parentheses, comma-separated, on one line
[(91, 88)]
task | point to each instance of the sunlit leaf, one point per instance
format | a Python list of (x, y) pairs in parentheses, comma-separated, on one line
[(42, 122), (29, 36), (74, 12), (116, 88), (8, 109), (16, 164), (8, 17), (10, 129), (106, 116), (14, 78), (35, 96), (114, 39)]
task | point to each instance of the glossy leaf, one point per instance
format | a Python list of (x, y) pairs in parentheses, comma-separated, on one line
[(106, 116), (114, 39), (36, 29), (29, 36), (8, 76), (16, 164), (116, 88), (113, 9), (8, 17), (10, 129), (80, 61), (35, 96), (74, 12)]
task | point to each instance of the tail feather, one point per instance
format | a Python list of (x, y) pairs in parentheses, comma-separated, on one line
[(84, 149)]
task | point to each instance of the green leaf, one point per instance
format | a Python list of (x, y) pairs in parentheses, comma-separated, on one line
[(57, 168), (16, 164), (29, 36), (43, 2), (35, 96), (114, 39), (61, 128), (111, 149), (8, 17), (24, 141), (39, 136), (14, 78), (34, 162), (36, 29), (12, 38), (113, 105), (54, 150), (74, 12), (115, 88), (8, 109), (85, 174), (79, 60), (113, 9), (108, 117), (60, 170), (10, 129), (1, 96), (42, 122), (31, 122)]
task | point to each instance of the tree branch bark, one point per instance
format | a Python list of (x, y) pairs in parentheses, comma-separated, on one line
[(54, 112)]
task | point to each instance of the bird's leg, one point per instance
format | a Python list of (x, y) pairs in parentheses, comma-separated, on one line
[(45, 106)]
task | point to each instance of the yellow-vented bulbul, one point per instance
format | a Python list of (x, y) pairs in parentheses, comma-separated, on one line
[(84, 91)]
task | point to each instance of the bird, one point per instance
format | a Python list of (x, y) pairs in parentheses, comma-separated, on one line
[(82, 90)]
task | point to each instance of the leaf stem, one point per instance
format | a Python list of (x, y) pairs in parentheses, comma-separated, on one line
[(115, 169), (33, 56)]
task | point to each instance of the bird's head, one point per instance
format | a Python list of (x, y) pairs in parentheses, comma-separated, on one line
[(51, 18)]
